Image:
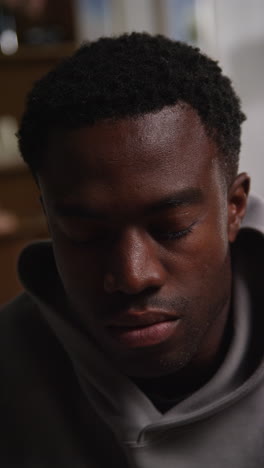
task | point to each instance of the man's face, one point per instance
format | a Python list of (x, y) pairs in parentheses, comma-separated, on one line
[(138, 213)]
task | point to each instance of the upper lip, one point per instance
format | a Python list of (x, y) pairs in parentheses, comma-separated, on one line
[(137, 319)]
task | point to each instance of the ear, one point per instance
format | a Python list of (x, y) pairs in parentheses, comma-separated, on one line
[(237, 204)]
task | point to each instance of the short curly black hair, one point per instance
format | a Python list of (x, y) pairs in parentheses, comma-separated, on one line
[(131, 75)]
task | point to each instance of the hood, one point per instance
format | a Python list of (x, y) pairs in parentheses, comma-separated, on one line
[(115, 397)]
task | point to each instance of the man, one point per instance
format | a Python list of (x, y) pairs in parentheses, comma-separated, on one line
[(138, 341)]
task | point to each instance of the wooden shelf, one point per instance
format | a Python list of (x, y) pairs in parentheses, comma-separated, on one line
[(13, 169), (39, 53), (19, 193)]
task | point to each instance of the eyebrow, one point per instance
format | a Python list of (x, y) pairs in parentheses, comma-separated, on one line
[(184, 197), (77, 210), (180, 198)]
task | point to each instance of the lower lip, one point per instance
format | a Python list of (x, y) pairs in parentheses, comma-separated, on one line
[(144, 336)]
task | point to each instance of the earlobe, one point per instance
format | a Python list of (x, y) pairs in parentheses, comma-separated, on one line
[(237, 204)]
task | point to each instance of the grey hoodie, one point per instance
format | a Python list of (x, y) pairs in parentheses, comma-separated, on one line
[(63, 404)]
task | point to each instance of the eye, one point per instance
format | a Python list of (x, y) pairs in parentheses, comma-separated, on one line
[(169, 235)]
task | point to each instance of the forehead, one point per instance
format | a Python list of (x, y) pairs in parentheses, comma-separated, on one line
[(156, 152)]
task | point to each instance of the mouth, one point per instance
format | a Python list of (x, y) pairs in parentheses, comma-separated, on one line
[(142, 330)]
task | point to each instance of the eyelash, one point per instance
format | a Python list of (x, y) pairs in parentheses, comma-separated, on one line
[(173, 235)]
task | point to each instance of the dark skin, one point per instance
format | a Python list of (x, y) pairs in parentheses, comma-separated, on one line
[(141, 221)]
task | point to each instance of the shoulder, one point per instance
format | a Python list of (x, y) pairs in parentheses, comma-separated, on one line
[(43, 410), (29, 350), (35, 370), (16, 310), (20, 323), (17, 317)]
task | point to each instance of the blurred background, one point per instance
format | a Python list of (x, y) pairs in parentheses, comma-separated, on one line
[(37, 34)]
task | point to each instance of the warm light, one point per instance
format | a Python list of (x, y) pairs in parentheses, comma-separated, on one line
[(8, 42)]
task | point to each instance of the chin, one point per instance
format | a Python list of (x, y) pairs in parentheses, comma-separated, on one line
[(158, 366)]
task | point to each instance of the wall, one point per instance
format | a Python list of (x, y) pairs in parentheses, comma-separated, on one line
[(231, 31), (234, 33)]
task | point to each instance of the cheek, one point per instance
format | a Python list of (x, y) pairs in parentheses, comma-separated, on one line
[(203, 261), (79, 271)]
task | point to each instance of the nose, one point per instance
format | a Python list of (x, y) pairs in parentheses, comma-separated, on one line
[(133, 265)]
